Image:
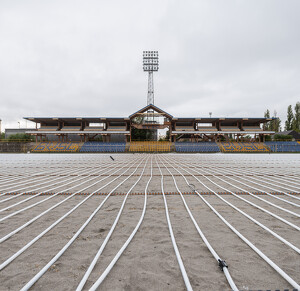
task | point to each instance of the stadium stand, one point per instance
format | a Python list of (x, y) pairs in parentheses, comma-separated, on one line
[(48, 128), (283, 146), (157, 146), (246, 147), (95, 128), (252, 128), (200, 147), (71, 128), (184, 128), (116, 128), (103, 147), (229, 128), (150, 146), (57, 147), (207, 128)]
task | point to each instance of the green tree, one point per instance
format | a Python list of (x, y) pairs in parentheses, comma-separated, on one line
[(267, 124), (289, 118), (296, 120), (141, 134), (275, 124), (2, 135)]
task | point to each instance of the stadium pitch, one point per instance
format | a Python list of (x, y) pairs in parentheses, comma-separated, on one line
[(149, 221)]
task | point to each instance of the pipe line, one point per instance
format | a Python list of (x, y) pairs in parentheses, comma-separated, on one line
[(180, 262), (94, 261), (10, 259), (59, 254)]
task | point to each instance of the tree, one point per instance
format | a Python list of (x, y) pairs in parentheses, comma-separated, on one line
[(296, 120), (289, 118), (275, 123), (141, 134), (267, 124), (2, 135)]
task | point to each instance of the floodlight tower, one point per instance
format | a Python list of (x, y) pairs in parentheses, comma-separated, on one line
[(150, 65)]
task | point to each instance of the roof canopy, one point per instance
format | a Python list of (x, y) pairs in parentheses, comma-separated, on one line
[(149, 107), (157, 110)]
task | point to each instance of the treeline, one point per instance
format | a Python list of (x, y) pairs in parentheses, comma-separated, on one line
[(292, 121), (274, 124)]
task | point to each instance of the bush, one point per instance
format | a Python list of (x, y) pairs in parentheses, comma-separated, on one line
[(268, 138), (20, 137), (282, 137)]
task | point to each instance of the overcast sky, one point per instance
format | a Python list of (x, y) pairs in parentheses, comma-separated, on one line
[(84, 58)]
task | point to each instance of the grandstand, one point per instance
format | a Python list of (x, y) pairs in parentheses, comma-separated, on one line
[(102, 147), (284, 146), (192, 147), (48, 147), (234, 147), (165, 146), (150, 117), (150, 146)]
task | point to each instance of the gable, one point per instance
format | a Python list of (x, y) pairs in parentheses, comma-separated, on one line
[(154, 108)]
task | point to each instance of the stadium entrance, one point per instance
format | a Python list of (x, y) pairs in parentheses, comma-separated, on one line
[(146, 123)]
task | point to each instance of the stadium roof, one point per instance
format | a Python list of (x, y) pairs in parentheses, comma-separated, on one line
[(151, 106), (76, 119), (54, 120)]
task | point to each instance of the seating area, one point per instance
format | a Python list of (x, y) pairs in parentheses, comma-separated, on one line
[(57, 147), (207, 128), (94, 128), (71, 128), (165, 146), (245, 147), (184, 128), (283, 146), (48, 128), (230, 128), (199, 147), (252, 128), (103, 147), (116, 128), (150, 146)]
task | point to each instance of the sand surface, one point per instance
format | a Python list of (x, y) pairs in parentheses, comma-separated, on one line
[(149, 262)]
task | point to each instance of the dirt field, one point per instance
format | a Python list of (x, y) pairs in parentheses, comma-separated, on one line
[(33, 188)]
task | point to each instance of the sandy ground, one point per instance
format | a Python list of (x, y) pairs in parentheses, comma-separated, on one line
[(149, 262)]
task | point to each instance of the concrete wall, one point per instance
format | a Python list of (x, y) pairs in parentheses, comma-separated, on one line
[(15, 147)]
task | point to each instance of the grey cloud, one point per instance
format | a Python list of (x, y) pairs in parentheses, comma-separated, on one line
[(232, 58)]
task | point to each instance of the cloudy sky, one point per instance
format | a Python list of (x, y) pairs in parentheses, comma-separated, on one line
[(84, 58)]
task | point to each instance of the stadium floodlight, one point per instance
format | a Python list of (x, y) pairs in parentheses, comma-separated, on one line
[(150, 65)]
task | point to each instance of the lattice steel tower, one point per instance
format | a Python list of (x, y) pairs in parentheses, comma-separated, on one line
[(150, 65)]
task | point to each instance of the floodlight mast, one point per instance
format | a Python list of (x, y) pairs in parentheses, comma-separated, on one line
[(150, 65)]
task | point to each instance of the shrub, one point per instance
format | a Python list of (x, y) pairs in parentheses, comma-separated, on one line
[(282, 137), (20, 137)]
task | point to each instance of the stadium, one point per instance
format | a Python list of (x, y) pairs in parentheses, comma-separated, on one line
[(119, 134), (99, 203)]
